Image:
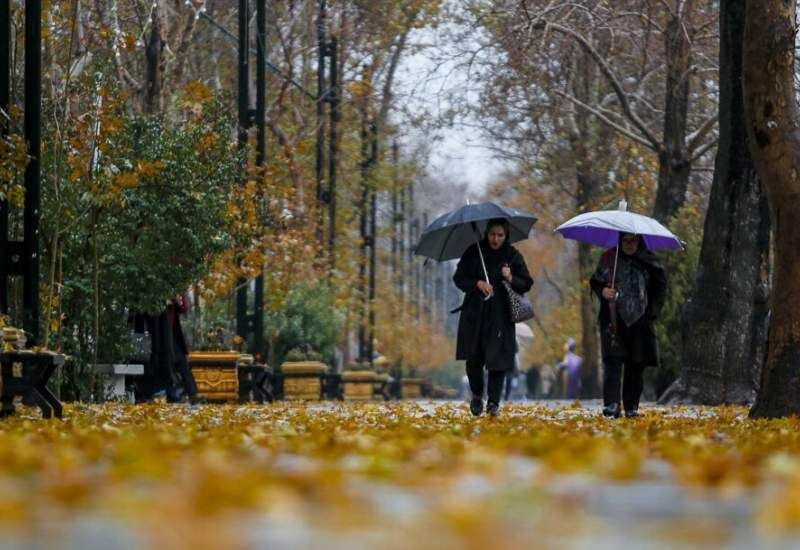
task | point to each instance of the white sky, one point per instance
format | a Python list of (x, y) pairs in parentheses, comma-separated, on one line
[(459, 152)]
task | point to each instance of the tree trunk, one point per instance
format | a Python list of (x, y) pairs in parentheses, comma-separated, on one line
[(154, 53), (772, 124), (588, 189), (590, 344), (724, 322), (673, 157)]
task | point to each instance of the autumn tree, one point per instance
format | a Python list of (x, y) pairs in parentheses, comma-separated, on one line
[(682, 28), (725, 318), (772, 118)]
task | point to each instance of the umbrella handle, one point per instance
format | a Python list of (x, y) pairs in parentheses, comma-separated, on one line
[(614, 272), (480, 253)]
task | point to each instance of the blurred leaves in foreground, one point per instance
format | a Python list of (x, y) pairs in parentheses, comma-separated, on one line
[(429, 473)]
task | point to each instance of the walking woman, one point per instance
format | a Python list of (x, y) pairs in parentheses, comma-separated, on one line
[(486, 336), (631, 300)]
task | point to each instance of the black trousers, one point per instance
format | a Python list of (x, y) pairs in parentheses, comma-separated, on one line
[(180, 374), (632, 383), (475, 375)]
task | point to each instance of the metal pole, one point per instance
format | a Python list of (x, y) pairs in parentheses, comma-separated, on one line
[(261, 158), (395, 215), (362, 267), (244, 126), (5, 103), (410, 221), (321, 92), (373, 240), (403, 259), (333, 149), (425, 267), (33, 104), (417, 275), (443, 302)]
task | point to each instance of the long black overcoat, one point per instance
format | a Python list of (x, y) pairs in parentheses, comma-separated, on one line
[(640, 344), (485, 330)]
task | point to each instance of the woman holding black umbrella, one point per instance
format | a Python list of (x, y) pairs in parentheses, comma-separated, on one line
[(486, 336)]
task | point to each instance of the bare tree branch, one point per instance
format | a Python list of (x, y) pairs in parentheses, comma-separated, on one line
[(696, 138), (624, 131), (654, 142), (703, 150)]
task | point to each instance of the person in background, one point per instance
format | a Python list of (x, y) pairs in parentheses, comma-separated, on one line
[(179, 360), (532, 381), (572, 364), (547, 378)]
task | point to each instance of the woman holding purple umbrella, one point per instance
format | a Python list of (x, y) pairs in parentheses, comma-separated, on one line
[(631, 287)]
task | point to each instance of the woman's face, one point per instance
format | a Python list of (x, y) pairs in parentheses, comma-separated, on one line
[(630, 243), (496, 236)]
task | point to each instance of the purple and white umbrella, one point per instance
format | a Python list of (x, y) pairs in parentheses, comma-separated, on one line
[(603, 228)]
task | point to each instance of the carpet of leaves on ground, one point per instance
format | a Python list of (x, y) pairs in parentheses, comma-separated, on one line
[(396, 475)]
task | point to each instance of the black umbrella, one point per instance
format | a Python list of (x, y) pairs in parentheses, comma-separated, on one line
[(449, 235)]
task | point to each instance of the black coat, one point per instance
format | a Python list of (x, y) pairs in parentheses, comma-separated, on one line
[(485, 330), (639, 341)]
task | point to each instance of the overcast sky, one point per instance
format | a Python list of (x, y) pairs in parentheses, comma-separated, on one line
[(459, 153)]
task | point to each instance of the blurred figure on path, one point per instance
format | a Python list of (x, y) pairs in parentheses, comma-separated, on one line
[(178, 359), (167, 367), (547, 378), (532, 381), (572, 364)]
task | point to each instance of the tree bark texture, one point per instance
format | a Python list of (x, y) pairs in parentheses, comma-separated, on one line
[(772, 124), (724, 322), (588, 188), (154, 76), (673, 156)]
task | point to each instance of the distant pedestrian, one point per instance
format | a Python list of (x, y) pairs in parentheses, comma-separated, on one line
[(572, 366), (547, 378), (532, 381), (631, 295), (486, 335)]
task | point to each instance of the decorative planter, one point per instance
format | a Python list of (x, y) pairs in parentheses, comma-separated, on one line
[(302, 380), (359, 385), (216, 375), (412, 388)]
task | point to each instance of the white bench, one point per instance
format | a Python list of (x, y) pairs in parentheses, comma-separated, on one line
[(115, 387)]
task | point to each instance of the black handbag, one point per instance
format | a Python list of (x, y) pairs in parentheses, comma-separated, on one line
[(519, 304)]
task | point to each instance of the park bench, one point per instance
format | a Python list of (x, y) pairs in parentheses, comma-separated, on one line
[(255, 383), (25, 374), (115, 388)]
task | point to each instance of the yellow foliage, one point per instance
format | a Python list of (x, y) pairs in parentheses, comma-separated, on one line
[(296, 466), (126, 180), (150, 169)]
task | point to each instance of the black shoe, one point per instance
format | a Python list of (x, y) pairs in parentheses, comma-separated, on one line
[(476, 406), (492, 409), (633, 413), (612, 410), (198, 400)]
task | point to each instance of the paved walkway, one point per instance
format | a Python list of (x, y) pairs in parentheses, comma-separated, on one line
[(489, 498)]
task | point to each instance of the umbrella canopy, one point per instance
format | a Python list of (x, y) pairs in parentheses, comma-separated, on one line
[(603, 228), (449, 235)]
